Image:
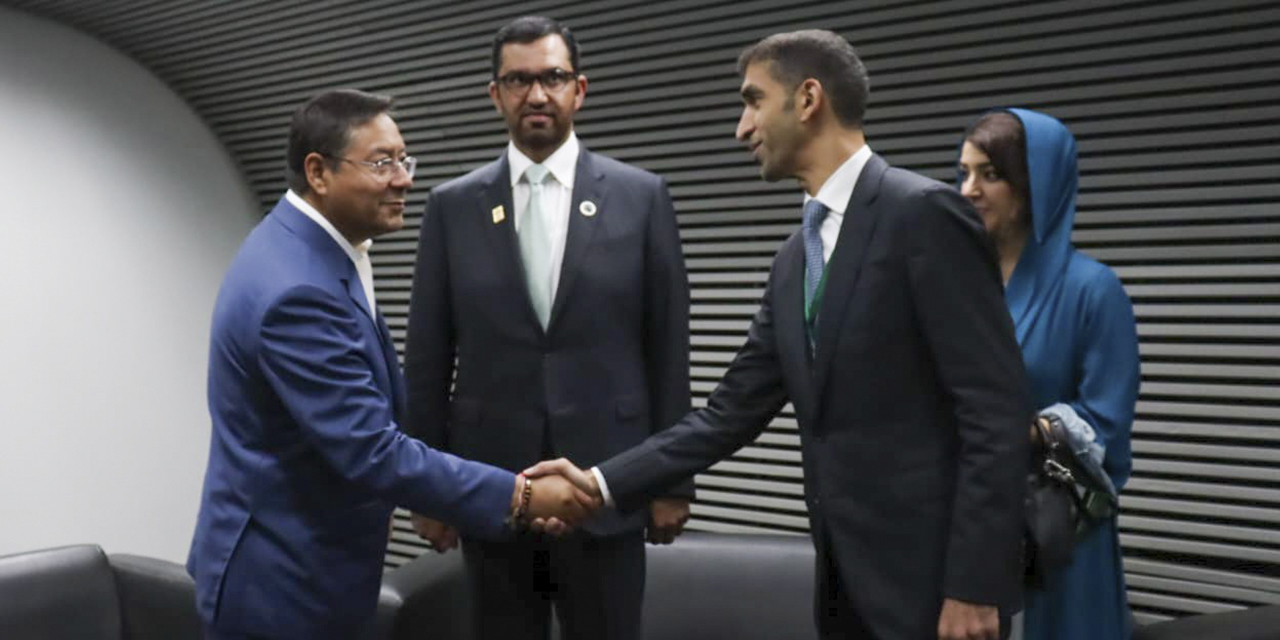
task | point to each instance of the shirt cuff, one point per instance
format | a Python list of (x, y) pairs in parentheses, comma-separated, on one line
[(604, 487)]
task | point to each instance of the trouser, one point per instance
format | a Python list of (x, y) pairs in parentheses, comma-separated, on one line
[(835, 616), (595, 583)]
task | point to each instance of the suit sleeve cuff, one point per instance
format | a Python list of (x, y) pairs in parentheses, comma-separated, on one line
[(604, 487), (684, 490)]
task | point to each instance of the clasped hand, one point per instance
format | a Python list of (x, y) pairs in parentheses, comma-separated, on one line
[(563, 472), (562, 497), (559, 500), (667, 516)]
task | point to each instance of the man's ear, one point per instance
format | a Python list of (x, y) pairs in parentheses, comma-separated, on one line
[(316, 169), (493, 95), (581, 83), (810, 99)]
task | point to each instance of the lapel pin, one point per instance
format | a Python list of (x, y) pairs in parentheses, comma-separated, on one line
[(499, 214), (587, 208)]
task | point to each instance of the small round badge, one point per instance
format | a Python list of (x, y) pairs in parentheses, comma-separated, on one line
[(587, 208)]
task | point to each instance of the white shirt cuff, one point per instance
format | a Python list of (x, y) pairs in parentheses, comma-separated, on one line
[(604, 487)]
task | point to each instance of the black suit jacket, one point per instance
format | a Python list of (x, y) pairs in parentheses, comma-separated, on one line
[(611, 368), (913, 414)]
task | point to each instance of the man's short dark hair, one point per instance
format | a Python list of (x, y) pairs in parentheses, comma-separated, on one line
[(822, 55), (323, 125), (531, 29)]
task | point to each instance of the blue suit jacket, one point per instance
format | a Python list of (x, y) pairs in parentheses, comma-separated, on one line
[(306, 460)]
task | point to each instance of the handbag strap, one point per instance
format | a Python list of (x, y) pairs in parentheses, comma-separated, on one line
[(1059, 464)]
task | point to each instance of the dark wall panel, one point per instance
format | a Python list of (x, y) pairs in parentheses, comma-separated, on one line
[(1175, 105)]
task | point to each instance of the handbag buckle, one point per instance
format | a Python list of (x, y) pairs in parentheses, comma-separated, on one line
[(1057, 471)]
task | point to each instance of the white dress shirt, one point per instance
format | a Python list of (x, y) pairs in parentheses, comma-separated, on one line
[(834, 194), (359, 254), (557, 196)]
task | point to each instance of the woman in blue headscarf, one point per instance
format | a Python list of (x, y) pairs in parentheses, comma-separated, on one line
[(1075, 325)]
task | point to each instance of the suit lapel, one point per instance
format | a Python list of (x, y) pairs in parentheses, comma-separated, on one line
[(335, 259), (846, 264), (387, 347), (788, 325), (588, 187), (339, 265), (355, 289), (393, 366), (501, 233)]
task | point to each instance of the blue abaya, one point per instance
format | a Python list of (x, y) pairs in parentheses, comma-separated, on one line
[(1076, 328)]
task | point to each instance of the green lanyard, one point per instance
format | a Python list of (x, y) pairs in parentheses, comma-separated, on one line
[(811, 307)]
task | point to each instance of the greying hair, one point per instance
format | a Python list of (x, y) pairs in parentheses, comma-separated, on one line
[(323, 125)]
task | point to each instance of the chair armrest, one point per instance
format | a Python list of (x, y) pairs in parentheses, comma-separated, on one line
[(426, 598), (722, 586), (157, 599), (1258, 623), (66, 592)]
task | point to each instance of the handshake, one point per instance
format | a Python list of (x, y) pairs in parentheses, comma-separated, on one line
[(555, 497), (552, 497)]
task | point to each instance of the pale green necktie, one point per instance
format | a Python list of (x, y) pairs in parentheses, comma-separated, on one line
[(535, 244)]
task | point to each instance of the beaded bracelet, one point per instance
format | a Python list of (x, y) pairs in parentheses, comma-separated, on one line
[(516, 520)]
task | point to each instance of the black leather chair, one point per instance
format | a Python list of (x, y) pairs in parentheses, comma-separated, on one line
[(1259, 623), (707, 586), (78, 592), (82, 593), (730, 587)]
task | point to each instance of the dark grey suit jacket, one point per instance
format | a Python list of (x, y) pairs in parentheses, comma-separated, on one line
[(913, 414), (611, 368)]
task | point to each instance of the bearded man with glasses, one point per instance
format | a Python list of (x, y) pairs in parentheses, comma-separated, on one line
[(552, 283)]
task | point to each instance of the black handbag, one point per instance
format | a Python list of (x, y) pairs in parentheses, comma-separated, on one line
[(1066, 499)]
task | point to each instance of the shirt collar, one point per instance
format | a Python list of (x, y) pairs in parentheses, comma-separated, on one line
[(838, 188), (563, 164), (356, 253)]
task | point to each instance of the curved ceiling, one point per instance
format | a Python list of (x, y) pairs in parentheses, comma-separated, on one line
[(244, 66)]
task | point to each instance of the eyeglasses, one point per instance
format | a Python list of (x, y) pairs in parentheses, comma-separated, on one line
[(383, 169), (521, 81)]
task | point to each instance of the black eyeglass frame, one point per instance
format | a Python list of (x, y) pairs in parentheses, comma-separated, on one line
[(553, 79)]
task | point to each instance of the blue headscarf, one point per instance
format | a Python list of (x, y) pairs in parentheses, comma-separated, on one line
[(1052, 180)]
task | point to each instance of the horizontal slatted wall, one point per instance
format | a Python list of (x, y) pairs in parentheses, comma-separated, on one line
[(1175, 105)]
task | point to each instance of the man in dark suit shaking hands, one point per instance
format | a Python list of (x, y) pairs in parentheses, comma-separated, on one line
[(551, 284), (883, 323)]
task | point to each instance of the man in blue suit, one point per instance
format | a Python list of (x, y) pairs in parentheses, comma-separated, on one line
[(306, 461), (552, 282)]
